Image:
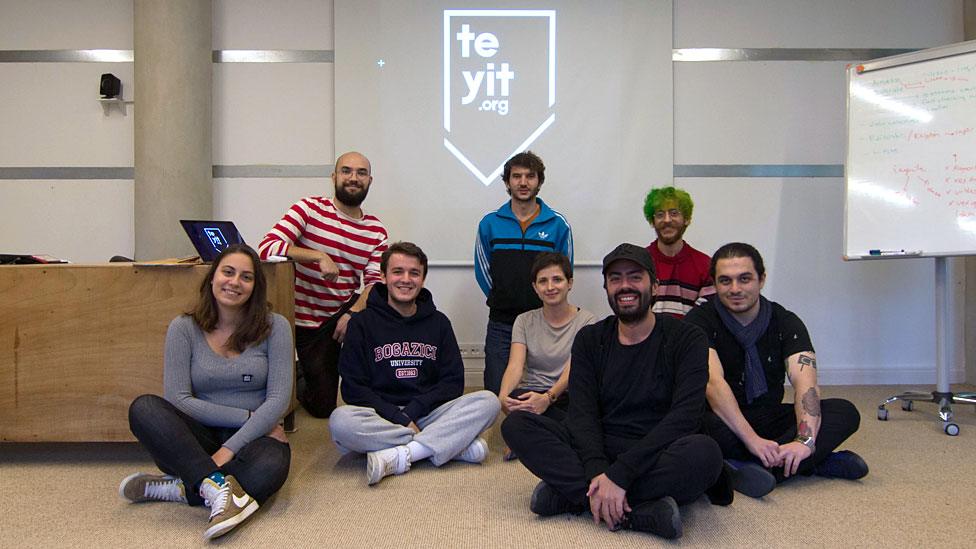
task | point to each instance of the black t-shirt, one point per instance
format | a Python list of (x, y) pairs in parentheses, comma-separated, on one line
[(786, 336)]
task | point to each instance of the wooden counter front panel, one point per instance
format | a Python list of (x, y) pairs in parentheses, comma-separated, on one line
[(79, 342)]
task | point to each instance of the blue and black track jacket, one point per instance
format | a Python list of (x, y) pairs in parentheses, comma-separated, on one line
[(503, 257)]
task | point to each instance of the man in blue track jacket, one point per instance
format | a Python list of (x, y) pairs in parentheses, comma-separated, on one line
[(507, 243)]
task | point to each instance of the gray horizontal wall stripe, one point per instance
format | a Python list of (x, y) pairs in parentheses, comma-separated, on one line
[(228, 172), (126, 56), (266, 170), (67, 172), (783, 54), (65, 56), (758, 170), (273, 56), (323, 170)]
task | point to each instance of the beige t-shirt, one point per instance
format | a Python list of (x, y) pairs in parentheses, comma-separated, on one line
[(547, 348)]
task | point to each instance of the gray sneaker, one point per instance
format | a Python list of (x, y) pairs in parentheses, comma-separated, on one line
[(229, 505), (140, 487), (389, 461), (476, 452)]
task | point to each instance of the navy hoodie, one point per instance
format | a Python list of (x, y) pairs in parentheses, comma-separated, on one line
[(403, 368)]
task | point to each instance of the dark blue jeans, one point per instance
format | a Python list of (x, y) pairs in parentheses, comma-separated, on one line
[(182, 446), (498, 342)]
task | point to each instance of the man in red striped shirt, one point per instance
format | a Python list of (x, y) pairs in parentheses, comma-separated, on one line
[(337, 249)]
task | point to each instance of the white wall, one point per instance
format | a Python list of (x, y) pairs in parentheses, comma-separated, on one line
[(50, 117), (871, 322)]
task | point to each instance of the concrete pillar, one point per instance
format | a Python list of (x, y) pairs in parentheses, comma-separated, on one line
[(173, 163)]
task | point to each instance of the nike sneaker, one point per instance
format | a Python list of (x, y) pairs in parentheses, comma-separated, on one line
[(229, 505)]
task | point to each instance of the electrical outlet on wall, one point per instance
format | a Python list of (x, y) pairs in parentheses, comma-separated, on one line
[(472, 350)]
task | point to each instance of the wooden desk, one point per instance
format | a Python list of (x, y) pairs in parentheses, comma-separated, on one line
[(79, 342)]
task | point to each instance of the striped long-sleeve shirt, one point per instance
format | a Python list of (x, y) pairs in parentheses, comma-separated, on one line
[(355, 245)]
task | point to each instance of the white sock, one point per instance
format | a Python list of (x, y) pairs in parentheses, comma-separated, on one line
[(418, 451)]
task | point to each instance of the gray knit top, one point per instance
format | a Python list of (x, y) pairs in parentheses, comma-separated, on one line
[(219, 391)]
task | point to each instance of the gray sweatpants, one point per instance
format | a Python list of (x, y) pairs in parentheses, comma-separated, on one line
[(447, 430)]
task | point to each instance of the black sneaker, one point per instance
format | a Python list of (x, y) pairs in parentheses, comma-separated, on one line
[(722, 492), (843, 464), (751, 478), (660, 517), (547, 502)]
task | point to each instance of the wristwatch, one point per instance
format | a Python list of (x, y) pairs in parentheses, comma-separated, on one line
[(806, 441)]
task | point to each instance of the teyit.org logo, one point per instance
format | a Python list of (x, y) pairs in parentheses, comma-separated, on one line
[(499, 84)]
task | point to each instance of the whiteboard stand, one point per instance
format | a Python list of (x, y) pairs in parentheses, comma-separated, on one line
[(942, 395)]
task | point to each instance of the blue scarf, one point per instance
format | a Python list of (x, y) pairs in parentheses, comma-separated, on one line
[(747, 336)]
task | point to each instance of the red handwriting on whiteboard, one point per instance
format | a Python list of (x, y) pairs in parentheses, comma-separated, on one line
[(958, 166), (922, 136), (959, 133)]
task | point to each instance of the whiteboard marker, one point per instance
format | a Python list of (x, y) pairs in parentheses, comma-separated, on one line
[(895, 252)]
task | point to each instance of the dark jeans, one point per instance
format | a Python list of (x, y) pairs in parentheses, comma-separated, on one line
[(557, 410), (683, 470), (182, 446), (839, 419), (498, 342), (317, 386)]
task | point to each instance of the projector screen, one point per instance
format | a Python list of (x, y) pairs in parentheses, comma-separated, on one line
[(439, 95)]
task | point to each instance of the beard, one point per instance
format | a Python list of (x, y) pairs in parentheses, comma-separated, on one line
[(352, 199), (681, 227), (636, 314)]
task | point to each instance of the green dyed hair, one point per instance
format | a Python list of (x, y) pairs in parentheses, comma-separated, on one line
[(657, 197)]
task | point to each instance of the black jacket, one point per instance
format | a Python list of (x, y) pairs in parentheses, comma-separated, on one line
[(625, 413)]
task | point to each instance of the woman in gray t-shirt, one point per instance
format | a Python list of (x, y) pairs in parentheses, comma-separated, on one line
[(542, 340)]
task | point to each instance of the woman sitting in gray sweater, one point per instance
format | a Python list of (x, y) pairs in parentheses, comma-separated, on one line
[(227, 380)]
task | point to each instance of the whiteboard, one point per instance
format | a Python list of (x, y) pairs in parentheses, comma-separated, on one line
[(911, 155)]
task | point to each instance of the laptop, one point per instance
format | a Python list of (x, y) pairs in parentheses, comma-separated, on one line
[(211, 237)]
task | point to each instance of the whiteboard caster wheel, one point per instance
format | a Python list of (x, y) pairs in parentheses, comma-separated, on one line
[(951, 429), (882, 414), (908, 405)]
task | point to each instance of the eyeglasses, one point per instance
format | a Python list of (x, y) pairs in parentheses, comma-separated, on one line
[(673, 212)]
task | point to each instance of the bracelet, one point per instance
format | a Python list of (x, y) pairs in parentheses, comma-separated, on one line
[(552, 397)]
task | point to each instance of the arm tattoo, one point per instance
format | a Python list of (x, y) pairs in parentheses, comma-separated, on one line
[(804, 430), (805, 360), (811, 402)]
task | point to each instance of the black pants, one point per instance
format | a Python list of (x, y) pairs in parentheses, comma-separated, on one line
[(317, 386), (182, 446), (683, 470), (839, 419), (557, 410)]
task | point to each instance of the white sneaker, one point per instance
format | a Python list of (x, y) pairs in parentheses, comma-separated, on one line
[(476, 452), (386, 462), (139, 487)]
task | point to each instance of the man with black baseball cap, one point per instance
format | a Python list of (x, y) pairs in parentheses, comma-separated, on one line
[(629, 449)]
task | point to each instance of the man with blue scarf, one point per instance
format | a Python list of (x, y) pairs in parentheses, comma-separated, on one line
[(754, 346)]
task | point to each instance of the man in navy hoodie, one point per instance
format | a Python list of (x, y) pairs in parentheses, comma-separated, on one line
[(402, 378)]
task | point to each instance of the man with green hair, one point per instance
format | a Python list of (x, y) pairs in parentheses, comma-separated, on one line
[(683, 272)]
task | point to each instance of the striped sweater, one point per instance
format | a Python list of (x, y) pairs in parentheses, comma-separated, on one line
[(355, 245)]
